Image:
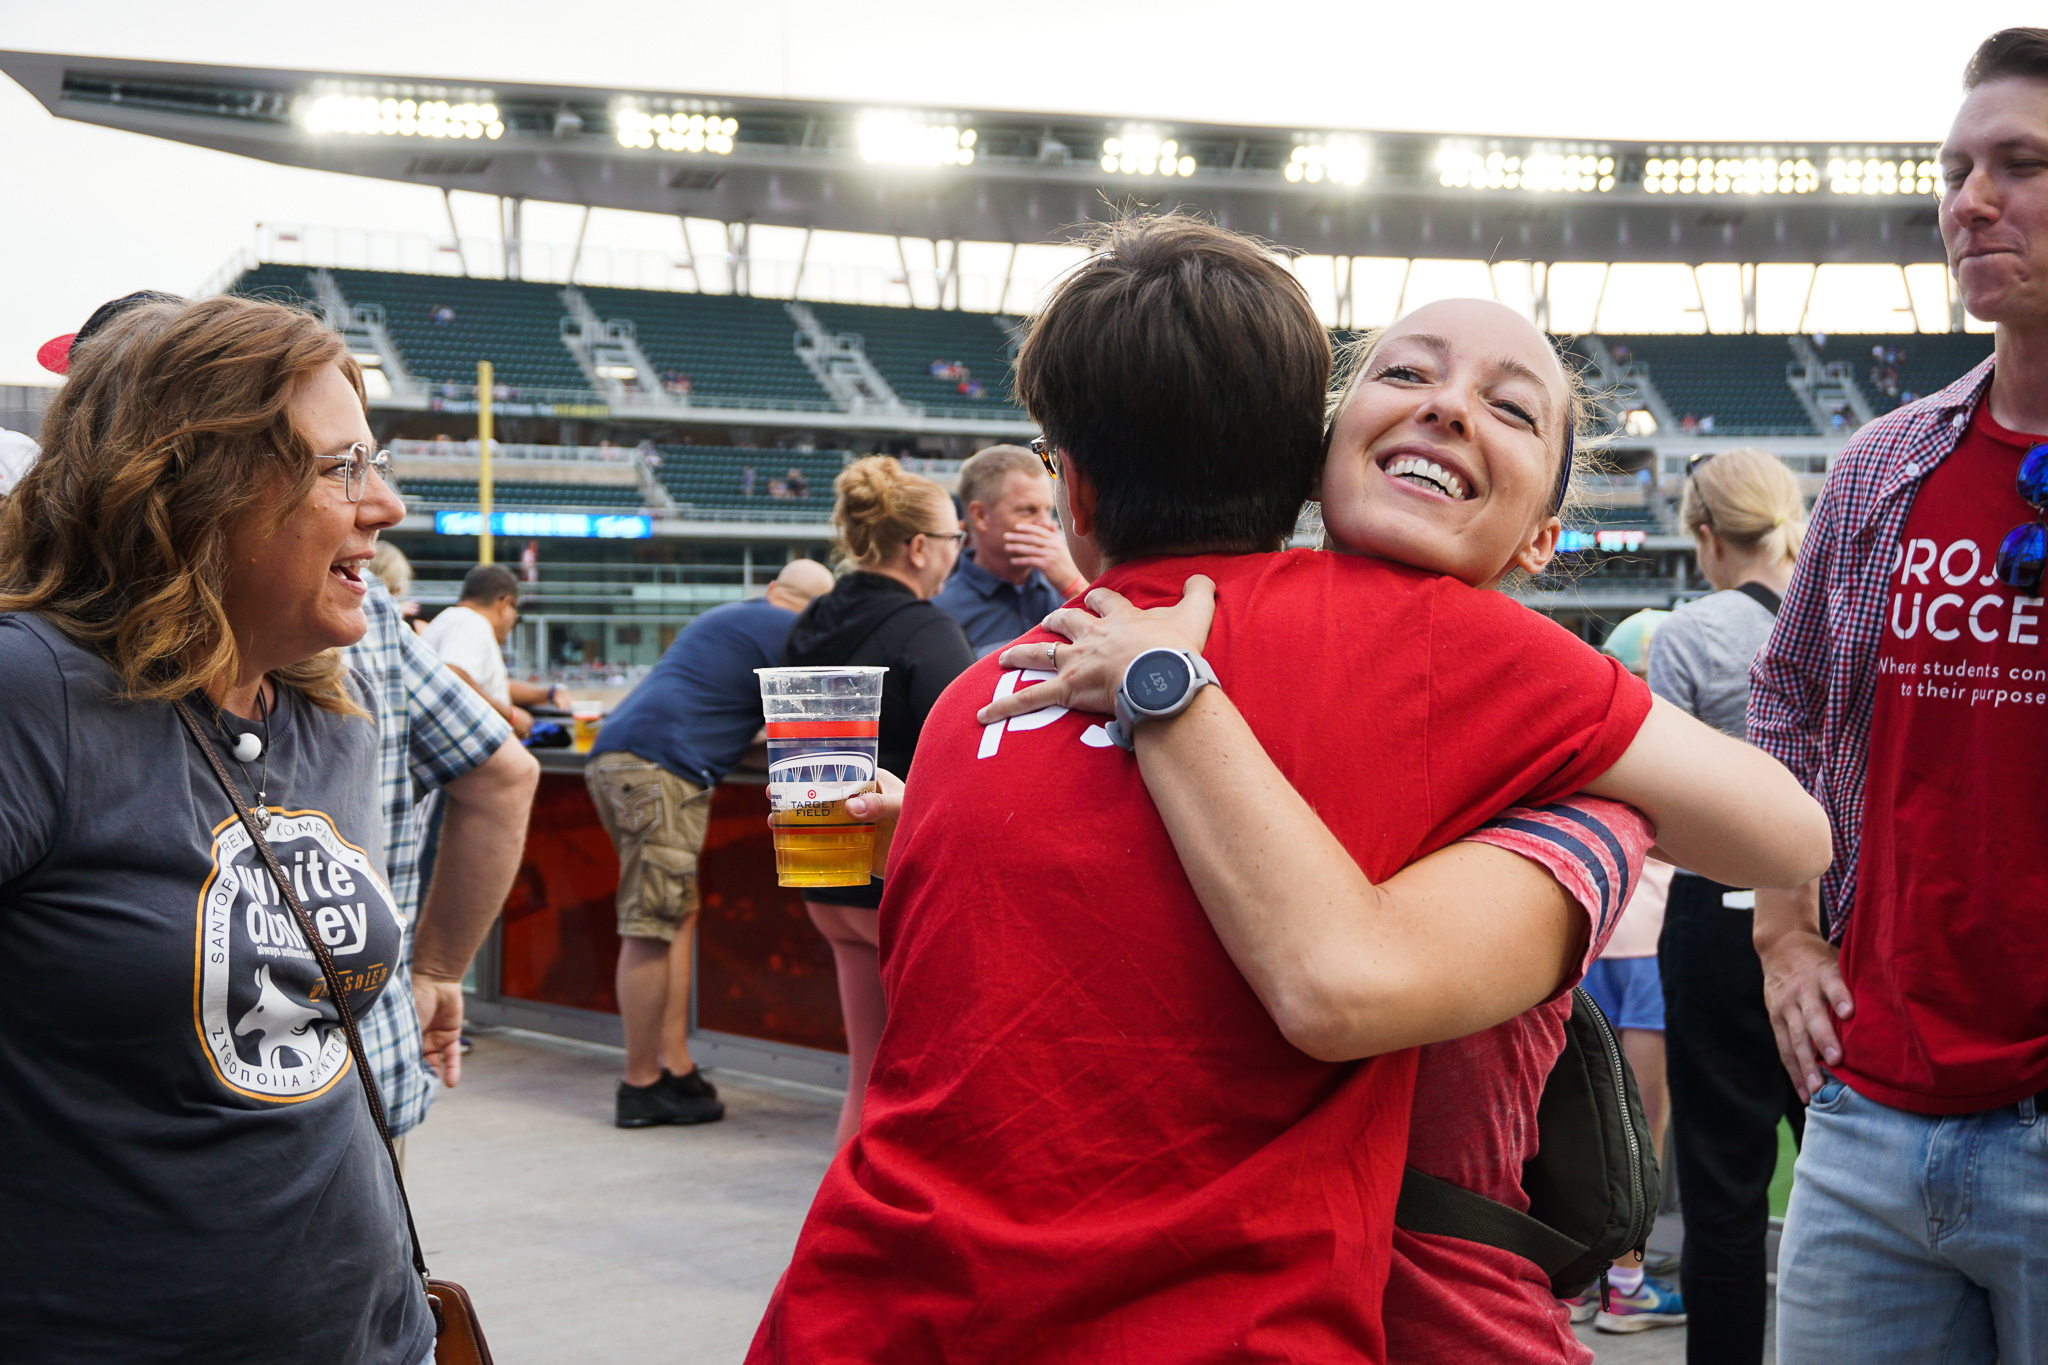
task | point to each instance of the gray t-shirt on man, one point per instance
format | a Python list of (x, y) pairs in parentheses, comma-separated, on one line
[(188, 1168), (1700, 658)]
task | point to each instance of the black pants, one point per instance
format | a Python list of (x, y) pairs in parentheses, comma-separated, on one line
[(1728, 1091)]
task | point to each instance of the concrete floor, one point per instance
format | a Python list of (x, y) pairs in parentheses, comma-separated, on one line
[(584, 1243)]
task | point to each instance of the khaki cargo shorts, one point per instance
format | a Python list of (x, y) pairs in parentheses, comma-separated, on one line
[(656, 821)]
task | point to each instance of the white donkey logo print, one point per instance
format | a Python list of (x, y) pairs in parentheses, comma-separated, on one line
[(282, 1024)]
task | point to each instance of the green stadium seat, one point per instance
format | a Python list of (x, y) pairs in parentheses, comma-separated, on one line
[(1737, 380)]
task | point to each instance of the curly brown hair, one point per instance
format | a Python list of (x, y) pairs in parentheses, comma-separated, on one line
[(160, 442)]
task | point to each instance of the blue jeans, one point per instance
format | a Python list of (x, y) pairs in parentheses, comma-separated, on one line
[(1915, 1238)]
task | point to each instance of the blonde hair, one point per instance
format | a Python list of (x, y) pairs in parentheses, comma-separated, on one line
[(172, 429), (1749, 499), (878, 507), (982, 476), (389, 566)]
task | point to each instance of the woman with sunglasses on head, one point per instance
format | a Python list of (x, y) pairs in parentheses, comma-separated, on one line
[(191, 1170), (899, 539), (1746, 516)]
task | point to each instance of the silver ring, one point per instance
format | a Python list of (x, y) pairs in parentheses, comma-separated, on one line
[(1052, 655)]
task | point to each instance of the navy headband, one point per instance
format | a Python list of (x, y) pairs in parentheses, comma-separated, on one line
[(1564, 473)]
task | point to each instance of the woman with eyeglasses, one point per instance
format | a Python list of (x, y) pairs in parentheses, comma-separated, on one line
[(899, 539), (1746, 516), (191, 1170)]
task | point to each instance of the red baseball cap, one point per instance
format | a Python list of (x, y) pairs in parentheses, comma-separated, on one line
[(55, 354)]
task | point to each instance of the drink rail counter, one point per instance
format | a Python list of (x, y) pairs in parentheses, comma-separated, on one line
[(766, 997)]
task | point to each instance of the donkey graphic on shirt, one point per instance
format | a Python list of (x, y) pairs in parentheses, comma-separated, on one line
[(264, 1015)]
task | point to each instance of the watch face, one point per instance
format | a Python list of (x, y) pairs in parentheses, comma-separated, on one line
[(1158, 680)]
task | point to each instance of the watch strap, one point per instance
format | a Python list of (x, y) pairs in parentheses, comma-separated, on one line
[(1122, 731)]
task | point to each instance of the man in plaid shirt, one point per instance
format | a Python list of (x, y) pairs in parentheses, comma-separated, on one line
[(1906, 683), (435, 733)]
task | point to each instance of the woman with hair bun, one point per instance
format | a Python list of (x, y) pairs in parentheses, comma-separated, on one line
[(1746, 516), (899, 538)]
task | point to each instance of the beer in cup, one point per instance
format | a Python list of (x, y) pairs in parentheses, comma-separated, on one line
[(822, 727), (585, 720)]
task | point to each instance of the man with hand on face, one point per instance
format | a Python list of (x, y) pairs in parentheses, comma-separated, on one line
[(1900, 685), (1016, 568)]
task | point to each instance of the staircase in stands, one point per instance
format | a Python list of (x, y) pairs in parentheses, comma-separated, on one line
[(362, 327), (841, 365), (603, 348)]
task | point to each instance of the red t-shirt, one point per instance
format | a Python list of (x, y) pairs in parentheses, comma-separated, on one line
[(1945, 952), (1083, 1137), (1450, 1301)]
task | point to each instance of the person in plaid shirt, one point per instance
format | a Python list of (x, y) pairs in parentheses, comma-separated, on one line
[(1906, 684), (435, 733)]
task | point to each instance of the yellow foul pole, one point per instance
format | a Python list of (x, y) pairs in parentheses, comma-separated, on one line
[(483, 473)]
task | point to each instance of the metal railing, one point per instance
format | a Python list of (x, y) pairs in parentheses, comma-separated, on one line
[(504, 450)]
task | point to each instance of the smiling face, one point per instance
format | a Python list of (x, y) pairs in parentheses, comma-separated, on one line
[(1994, 203), (297, 589), (1445, 453)]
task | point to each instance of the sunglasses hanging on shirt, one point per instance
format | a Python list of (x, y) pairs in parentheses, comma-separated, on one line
[(2024, 551)]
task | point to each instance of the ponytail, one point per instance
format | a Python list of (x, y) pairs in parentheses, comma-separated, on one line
[(1749, 499)]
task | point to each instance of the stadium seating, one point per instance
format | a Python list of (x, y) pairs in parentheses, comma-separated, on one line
[(514, 324), (1927, 362), (903, 342), (510, 493), (713, 478), (733, 348), (290, 284), (1737, 380)]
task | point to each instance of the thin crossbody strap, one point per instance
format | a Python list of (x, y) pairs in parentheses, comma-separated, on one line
[(326, 959)]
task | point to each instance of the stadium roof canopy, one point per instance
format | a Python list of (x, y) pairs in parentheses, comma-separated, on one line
[(986, 175)]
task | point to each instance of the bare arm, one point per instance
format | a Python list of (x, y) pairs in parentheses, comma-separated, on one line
[(1722, 808), (1803, 987), (483, 832), (1346, 968), (534, 694), (516, 717)]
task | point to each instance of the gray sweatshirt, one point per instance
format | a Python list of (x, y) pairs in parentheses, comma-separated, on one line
[(1700, 657)]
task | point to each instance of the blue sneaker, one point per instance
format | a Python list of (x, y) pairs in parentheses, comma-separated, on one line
[(1656, 1304)]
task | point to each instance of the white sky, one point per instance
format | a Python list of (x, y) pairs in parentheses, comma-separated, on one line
[(91, 213)]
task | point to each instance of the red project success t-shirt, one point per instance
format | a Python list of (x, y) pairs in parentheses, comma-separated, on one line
[(1084, 1139), (1946, 951)]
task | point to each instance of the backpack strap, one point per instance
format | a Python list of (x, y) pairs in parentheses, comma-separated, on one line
[(1762, 596), (1428, 1204)]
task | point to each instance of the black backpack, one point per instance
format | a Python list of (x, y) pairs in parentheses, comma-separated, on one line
[(1593, 1184)]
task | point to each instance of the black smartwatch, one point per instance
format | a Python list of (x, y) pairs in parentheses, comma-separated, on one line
[(1158, 685)]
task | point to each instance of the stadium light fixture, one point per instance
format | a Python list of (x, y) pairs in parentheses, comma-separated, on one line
[(1569, 169), (1340, 160), (393, 116), (673, 130), (1140, 151), (899, 138), (1688, 174), (1872, 172)]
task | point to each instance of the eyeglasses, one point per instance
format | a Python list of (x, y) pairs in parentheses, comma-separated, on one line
[(2024, 551), (1692, 466), (355, 467), (955, 536), (1047, 455)]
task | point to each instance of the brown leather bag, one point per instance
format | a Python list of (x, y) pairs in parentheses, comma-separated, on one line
[(458, 1337)]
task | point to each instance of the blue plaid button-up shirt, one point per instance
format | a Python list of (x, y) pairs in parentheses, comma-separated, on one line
[(432, 728), (1813, 687)]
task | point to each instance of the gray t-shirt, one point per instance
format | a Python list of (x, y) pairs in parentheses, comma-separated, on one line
[(188, 1169), (1700, 658)]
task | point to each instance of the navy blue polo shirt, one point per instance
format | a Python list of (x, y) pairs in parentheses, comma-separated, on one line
[(993, 612)]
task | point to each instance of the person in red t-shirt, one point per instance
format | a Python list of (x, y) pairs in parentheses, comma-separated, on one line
[(1907, 679), (1086, 1137), (1342, 975)]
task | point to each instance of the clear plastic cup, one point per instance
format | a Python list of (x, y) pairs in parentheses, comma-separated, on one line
[(585, 720), (822, 727)]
